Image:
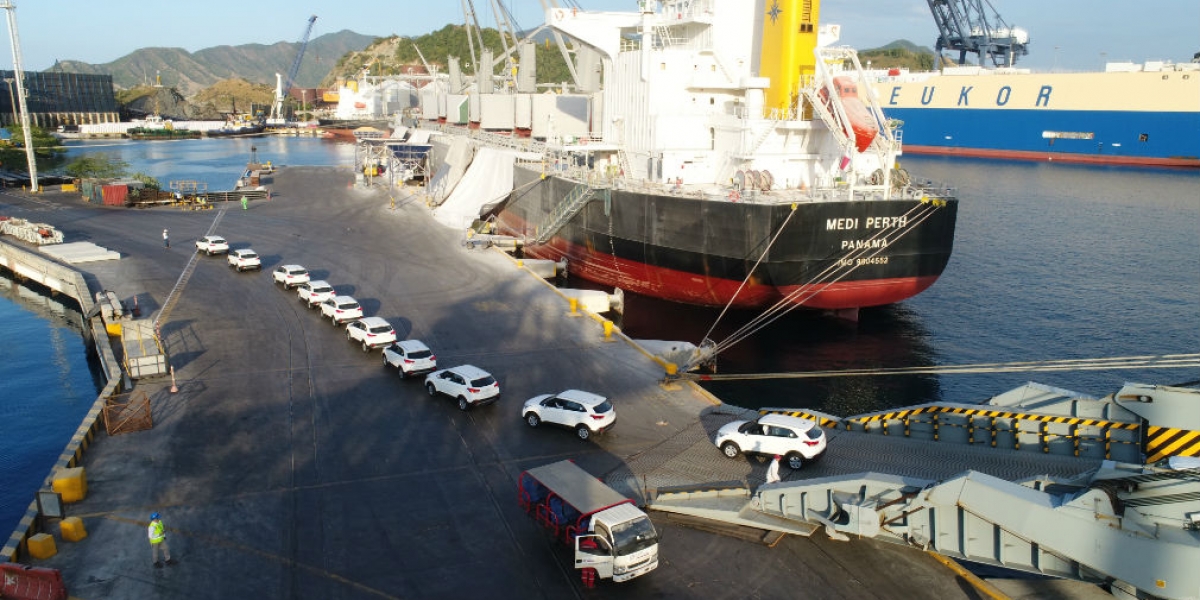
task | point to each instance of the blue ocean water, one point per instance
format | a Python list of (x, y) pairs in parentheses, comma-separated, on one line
[(48, 386), (218, 162)]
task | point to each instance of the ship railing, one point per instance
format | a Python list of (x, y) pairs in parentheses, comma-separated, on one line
[(768, 114)]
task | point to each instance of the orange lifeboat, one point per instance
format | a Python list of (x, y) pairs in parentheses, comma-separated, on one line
[(861, 121), (360, 105)]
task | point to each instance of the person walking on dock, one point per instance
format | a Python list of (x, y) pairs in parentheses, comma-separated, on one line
[(773, 470), (166, 239), (157, 533)]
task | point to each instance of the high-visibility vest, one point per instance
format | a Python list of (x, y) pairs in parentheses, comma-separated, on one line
[(157, 532)]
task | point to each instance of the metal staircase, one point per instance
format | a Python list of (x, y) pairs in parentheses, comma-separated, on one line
[(177, 291), (623, 161), (821, 109), (565, 210)]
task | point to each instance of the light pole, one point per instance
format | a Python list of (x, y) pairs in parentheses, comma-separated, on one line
[(19, 76), (1055, 68)]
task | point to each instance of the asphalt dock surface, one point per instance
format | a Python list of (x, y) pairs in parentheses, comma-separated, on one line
[(290, 464)]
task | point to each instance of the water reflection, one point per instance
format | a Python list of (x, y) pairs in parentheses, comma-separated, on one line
[(800, 341)]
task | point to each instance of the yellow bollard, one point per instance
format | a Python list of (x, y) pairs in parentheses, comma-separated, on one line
[(520, 264), (574, 306), (672, 369), (608, 329)]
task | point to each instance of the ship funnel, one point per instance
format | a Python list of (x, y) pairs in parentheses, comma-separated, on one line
[(787, 50)]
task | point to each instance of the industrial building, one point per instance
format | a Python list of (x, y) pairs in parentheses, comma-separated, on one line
[(55, 98)]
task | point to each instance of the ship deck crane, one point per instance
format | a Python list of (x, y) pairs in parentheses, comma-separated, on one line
[(283, 86), (965, 26)]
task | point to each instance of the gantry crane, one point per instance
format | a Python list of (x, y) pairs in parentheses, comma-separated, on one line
[(964, 25), (282, 86)]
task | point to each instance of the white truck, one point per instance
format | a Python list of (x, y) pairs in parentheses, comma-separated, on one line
[(611, 536)]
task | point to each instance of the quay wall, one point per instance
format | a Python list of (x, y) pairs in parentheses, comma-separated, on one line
[(31, 266)]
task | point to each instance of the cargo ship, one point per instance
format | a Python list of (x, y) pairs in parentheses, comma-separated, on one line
[(730, 158), (1129, 114)]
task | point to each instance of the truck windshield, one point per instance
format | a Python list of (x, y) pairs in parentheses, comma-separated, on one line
[(633, 536)]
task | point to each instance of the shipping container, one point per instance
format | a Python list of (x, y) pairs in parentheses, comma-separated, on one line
[(115, 195)]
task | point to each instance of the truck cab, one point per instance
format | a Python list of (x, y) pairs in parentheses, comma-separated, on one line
[(611, 536), (621, 544)]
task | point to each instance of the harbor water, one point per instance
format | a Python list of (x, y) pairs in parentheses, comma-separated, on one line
[(1051, 261), (49, 384)]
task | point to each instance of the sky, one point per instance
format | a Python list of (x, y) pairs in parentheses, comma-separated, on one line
[(1065, 35)]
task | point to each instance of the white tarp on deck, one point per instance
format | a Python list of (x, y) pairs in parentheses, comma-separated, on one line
[(420, 137), (450, 172), (486, 183)]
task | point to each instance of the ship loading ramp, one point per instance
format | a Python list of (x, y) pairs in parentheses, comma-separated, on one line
[(1131, 526)]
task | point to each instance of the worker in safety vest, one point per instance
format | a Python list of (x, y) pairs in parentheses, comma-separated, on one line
[(158, 540)]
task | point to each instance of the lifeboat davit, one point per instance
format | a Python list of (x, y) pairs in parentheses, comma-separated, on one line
[(861, 121)]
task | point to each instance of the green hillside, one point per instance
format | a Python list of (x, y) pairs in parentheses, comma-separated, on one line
[(900, 54), (256, 63), (394, 55)]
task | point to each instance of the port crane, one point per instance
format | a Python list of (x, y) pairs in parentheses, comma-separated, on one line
[(964, 25), (19, 78), (283, 86)]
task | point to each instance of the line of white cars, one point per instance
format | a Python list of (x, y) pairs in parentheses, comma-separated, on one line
[(468, 385), (796, 439), (242, 259)]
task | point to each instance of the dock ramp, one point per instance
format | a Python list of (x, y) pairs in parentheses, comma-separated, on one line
[(996, 484)]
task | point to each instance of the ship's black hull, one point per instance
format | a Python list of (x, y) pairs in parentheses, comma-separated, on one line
[(829, 255)]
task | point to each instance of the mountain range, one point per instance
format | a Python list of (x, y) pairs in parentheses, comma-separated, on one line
[(341, 54), (191, 72)]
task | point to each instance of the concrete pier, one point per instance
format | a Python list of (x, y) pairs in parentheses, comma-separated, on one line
[(290, 464)]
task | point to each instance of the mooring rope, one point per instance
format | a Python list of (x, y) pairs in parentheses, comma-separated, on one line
[(1162, 361), (838, 269)]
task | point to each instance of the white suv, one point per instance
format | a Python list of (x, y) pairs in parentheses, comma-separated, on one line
[(212, 244), (794, 438), (470, 385), (290, 275), (372, 332), (341, 309), (409, 357), (244, 259), (585, 412), (313, 293)]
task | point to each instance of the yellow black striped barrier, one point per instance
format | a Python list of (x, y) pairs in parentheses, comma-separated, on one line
[(933, 416), (824, 421), (1162, 442), (999, 414)]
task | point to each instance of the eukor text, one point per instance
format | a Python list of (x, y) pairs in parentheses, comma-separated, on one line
[(850, 223)]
